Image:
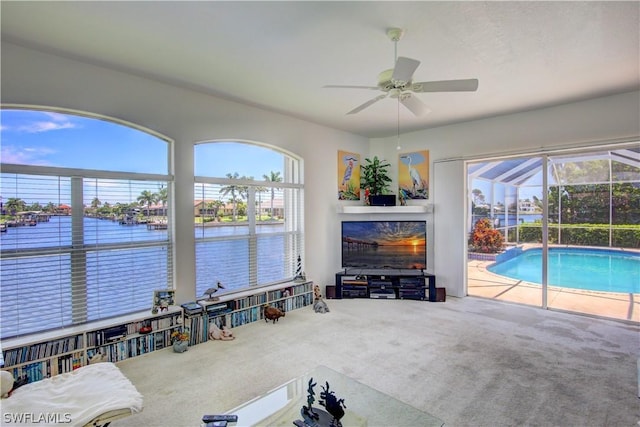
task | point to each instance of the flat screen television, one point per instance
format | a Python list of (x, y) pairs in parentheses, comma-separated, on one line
[(384, 244)]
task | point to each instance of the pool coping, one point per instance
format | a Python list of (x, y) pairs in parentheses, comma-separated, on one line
[(485, 284)]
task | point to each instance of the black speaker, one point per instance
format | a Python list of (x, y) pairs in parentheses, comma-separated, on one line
[(383, 200)]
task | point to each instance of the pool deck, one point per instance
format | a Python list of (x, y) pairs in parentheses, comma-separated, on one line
[(485, 284)]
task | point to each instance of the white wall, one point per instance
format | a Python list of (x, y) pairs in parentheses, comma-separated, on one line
[(34, 78)]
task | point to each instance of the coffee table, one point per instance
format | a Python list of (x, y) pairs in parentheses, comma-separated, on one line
[(364, 405)]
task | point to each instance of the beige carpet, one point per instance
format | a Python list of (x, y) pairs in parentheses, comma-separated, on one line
[(470, 362)]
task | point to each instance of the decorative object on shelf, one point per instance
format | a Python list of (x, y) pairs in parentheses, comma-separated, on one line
[(272, 313), (146, 328), (413, 175), (314, 417), (348, 176), (300, 276), (191, 308), (208, 294), (223, 334), (374, 176), (319, 306), (180, 340), (97, 358), (162, 299)]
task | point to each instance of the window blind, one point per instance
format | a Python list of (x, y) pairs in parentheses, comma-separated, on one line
[(248, 233), (81, 247)]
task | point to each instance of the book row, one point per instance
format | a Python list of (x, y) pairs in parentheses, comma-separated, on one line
[(48, 368), (133, 347), (43, 350)]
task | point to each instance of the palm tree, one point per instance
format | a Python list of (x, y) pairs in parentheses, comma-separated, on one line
[(260, 190), (14, 205), (162, 196), (272, 177), (232, 189), (50, 207), (147, 198)]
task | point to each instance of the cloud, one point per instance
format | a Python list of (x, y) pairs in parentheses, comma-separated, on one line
[(27, 156), (37, 127)]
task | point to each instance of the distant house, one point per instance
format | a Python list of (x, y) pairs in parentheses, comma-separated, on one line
[(63, 210), (526, 205)]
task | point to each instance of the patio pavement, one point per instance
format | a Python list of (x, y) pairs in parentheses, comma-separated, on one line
[(483, 283)]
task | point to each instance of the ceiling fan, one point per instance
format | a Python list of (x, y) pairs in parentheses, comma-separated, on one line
[(398, 83)]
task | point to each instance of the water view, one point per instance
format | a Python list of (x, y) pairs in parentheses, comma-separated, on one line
[(119, 273)]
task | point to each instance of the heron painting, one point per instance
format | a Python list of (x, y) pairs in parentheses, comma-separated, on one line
[(348, 176), (413, 175)]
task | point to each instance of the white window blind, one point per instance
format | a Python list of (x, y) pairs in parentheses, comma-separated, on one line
[(249, 232), (97, 249)]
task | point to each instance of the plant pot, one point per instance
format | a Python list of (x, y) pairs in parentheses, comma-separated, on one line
[(180, 346)]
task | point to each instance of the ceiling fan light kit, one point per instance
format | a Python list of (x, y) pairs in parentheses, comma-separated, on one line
[(398, 82)]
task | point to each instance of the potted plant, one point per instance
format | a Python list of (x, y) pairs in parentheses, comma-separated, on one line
[(180, 341), (374, 179)]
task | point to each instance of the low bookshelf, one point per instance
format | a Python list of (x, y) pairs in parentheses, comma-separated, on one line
[(55, 352), (51, 353), (386, 284), (245, 307)]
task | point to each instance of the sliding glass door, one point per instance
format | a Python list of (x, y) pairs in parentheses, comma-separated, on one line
[(570, 231)]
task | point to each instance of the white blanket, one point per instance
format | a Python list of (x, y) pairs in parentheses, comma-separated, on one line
[(71, 399)]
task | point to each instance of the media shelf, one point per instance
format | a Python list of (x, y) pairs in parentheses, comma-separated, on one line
[(55, 352), (51, 353), (386, 284), (246, 307)]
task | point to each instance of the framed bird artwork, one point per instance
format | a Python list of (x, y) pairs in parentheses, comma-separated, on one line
[(413, 175), (348, 176)]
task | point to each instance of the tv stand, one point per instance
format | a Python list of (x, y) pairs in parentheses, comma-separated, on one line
[(386, 284)]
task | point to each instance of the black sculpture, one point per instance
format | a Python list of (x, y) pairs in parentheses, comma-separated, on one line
[(314, 417), (333, 405)]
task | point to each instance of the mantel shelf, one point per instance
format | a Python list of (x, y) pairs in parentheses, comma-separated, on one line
[(385, 209)]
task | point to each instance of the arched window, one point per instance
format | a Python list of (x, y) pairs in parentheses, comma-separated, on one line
[(86, 230), (248, 213)]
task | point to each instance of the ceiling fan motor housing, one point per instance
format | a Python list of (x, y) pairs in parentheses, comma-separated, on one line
[(386, 82)]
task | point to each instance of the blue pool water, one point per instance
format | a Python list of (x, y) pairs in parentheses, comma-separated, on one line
[(590, 269)]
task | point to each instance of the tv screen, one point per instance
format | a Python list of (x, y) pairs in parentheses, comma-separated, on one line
[(384, 244)]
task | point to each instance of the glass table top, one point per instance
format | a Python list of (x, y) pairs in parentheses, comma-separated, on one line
[(365, 406)]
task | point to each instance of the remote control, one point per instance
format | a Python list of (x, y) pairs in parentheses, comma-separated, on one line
[(214, 418)]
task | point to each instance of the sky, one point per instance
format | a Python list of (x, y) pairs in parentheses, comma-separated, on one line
[(62, 140), (42, 138)]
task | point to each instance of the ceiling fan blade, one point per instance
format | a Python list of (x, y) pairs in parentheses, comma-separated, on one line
[(351, 87), (367, 104), (468, 85), (404, 69), (414, 105)]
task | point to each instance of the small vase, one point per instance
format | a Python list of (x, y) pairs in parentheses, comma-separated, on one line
[(180, 346)]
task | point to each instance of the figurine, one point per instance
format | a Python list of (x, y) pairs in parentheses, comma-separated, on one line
[(272, 313), (319, 306), (217, 333), (333, 405), (208, 294), (307, 412)]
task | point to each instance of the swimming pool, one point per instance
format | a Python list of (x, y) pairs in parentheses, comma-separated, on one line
[(591, 269)]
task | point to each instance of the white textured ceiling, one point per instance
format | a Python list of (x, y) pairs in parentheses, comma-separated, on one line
[(278, 55)]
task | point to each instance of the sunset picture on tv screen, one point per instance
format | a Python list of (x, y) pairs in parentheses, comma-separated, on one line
[(384, 244)]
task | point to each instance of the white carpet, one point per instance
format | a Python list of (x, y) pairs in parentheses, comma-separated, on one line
[(470, 362)]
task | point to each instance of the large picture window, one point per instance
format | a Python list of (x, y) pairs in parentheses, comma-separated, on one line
[(86, 234), (248, 215)]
